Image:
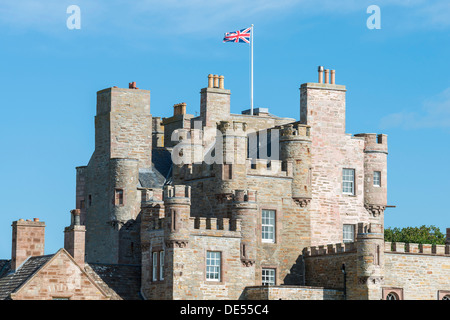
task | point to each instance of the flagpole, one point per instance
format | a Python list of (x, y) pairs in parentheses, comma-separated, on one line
[(251, 72)]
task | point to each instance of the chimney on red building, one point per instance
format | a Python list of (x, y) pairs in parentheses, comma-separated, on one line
[(74, 238), (28, 240)]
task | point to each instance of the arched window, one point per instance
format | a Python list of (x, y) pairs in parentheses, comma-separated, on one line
[(392, 296)]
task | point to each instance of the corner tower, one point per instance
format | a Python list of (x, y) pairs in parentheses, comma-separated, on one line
[(123, 146)]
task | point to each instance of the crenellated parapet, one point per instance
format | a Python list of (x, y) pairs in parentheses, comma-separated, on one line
[(272, 168), (417, 248), (329, 249)]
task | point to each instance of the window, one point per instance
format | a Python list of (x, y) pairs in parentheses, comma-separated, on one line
[(161, 265), (348, 181), (348, 233), (60, 298), (392, 293), (268, 226), (119, 197), (392, 296), (213, 265), (155, 266), (377, 178), (90, 200), (268, 277)]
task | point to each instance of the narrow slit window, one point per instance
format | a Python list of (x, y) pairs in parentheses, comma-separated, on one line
[(119, 197)]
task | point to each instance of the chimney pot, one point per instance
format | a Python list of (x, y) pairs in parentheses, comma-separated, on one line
[(210, 81), (132, 85), (216, 81), (320, 74), (333, 77), (221, 82), (327, 75)]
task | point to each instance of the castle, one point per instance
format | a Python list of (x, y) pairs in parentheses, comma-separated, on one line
[(228, 206)]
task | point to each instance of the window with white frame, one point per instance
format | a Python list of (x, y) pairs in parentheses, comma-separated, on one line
[(348, 181), (377, 178), (268, 225), (348, 233), (213, 265), (161, 265), (268, 277), (155, 266), (158, 265)]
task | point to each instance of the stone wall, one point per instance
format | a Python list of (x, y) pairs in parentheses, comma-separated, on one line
[(419, 270), (291, 293)]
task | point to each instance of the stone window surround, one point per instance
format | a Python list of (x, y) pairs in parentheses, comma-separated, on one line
[(397, 291), (270, 267), (278, 224), (221, 271), (443, 293), (158, 251), (353, 232), (353, 194), (376, 182), (115, 197)]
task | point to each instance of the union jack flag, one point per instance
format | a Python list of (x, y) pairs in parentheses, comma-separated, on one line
[(238, 36)]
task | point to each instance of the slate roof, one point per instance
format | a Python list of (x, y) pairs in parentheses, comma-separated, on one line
[(11, 281), (123, 279), (156, 176)]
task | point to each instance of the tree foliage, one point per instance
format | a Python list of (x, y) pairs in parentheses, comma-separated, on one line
[(423, 234)]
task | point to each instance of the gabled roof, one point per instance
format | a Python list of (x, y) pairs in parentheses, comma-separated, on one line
[(11, 281)]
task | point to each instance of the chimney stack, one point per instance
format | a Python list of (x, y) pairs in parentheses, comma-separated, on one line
[(132, 85), (320, 74), (28, 240), (74, 238), (179, 108)]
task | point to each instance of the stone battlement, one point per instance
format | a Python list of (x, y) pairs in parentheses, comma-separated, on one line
[(264, 167), (177, 191), (389, 247), (416, 248), (329, 249), (210, 225), (295, 129)]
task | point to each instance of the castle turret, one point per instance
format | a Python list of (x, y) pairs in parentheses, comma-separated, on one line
[(234, 154), (245, 208), (370, 261), (295, 149), (375, 173), (177, 202)]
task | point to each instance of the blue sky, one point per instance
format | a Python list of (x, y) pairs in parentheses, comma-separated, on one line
[(397, 79)]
